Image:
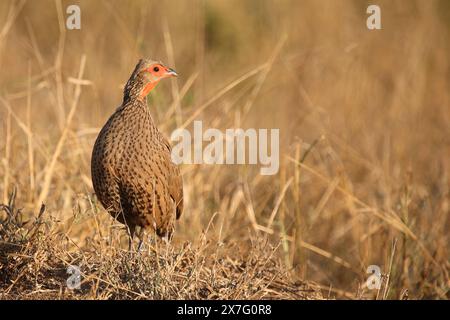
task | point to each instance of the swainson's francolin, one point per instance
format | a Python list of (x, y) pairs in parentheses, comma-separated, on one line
[(132, 172)]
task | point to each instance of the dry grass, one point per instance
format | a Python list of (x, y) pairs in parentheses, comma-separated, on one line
[(365, 152), (35, 258)]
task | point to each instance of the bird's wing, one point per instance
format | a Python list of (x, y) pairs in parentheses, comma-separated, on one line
[(175, 181), (176, 189)]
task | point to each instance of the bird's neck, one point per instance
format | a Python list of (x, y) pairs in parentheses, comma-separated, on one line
[(137, 88), (133, 89), (133, 96), (131, 99), (134, 106)]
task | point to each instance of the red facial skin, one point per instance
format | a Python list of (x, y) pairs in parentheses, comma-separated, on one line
[(158, 72)]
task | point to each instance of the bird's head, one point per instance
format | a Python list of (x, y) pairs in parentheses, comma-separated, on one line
[(145, 77)]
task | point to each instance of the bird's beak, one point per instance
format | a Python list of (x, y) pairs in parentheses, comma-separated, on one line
[(171, 73)]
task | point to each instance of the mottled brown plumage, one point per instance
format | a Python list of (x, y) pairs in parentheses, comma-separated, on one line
[(132, 172)]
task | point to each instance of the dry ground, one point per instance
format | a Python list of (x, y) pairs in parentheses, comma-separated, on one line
[(35, 259), (364, 120)]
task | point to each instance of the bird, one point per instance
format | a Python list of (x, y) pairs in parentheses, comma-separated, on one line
[(131, 168)]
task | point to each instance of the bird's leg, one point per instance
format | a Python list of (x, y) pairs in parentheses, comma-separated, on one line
[(131, 230), (141, 245), (141, 236), (166, 239), (130, 243), (168, 236)]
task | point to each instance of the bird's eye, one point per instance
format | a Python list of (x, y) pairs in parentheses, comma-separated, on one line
[(156, 69)]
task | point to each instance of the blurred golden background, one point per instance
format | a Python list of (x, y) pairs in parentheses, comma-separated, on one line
[(364, 118)]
